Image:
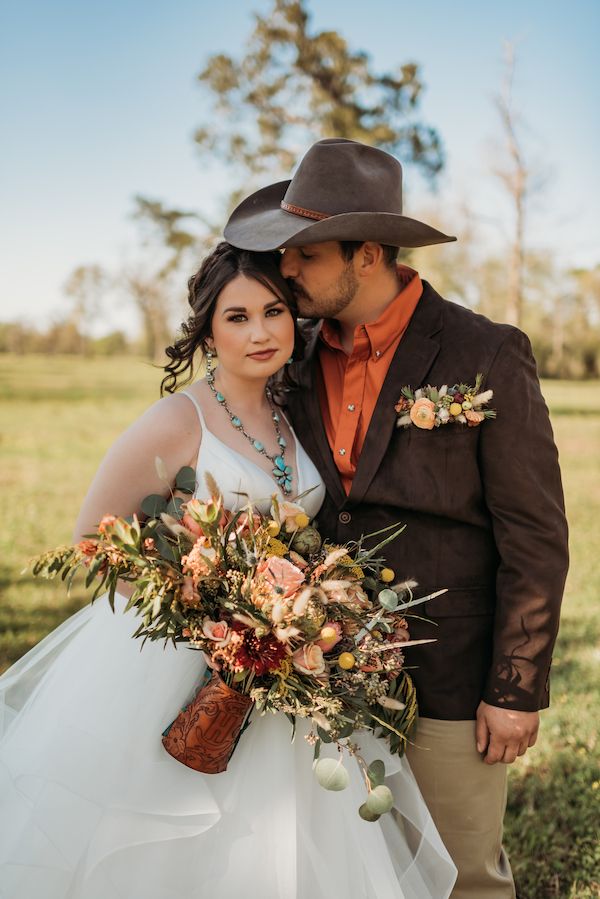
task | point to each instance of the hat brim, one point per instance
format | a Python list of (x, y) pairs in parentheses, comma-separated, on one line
[(259, 223)]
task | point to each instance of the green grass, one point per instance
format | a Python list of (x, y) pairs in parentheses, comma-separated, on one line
[(59, 415)]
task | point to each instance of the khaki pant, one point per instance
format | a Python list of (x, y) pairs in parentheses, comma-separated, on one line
[(467, 800)]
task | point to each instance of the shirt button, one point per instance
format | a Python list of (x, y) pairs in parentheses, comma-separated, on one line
[(342, 452), (345, 517), (351, 407)]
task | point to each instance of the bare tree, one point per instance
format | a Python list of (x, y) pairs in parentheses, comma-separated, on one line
[(516, 179), (86, 286)]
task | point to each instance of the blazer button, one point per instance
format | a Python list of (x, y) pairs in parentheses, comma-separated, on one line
[(345, 517)]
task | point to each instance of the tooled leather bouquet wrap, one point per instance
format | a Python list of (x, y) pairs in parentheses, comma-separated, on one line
[(204, 734)]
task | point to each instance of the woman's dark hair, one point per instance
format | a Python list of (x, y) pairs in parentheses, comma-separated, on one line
[(219, 268)]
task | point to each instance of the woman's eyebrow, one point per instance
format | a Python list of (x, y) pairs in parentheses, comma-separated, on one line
[(243, 308)]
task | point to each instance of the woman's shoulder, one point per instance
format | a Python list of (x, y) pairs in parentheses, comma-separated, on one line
[(169, 427)]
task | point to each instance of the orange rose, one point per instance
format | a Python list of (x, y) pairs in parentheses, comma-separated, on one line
[(284, 576), (473, 418), (422, 414)]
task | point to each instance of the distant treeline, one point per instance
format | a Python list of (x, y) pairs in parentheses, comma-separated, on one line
[(569, 349), (64, 338)]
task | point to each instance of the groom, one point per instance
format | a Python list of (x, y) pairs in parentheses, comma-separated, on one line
[(482, 502)]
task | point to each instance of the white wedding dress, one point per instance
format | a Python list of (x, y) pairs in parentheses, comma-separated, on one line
[(93, 807)]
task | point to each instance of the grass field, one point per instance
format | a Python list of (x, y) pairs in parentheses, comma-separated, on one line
[(59, 415)]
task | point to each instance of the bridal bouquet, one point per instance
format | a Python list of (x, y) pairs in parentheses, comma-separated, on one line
[(287, 622)]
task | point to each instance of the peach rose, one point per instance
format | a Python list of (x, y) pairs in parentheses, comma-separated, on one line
[(473, 418), (422, 413), (285, 577), (309, 659), (217, 631)]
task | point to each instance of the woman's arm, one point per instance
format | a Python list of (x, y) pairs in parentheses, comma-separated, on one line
[(169, 429)]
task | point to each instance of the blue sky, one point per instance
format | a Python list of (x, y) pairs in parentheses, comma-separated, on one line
[(99, 102)]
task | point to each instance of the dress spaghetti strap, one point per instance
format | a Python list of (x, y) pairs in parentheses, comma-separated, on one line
[(198, 410)]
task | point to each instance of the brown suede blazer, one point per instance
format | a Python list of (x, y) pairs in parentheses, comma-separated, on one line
[(483, 508)]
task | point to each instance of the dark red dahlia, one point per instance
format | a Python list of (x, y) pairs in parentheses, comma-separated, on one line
[(259, 653)]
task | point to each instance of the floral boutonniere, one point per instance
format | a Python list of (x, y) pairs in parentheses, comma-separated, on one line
[(429, 407)]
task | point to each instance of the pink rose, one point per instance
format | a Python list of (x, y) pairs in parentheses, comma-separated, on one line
[(285, 577), (308, 659), (217, 631), (422, 413)]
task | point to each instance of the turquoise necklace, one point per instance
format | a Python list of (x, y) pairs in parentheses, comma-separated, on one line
[(282, 473)]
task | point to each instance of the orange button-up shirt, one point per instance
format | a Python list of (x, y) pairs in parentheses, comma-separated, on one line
[(349, 384)]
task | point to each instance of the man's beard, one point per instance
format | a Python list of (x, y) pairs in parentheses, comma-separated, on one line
[(340, 295)]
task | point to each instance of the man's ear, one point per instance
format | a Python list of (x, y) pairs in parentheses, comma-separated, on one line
[(370, 258)]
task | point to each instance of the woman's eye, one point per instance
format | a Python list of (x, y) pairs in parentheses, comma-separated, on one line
[(238, 317), (305, 255), (277, 310)]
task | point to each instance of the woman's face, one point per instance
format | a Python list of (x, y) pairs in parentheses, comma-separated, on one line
[(252, 329)]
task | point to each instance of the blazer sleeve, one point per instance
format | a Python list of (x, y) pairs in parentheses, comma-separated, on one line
[(523, 492)]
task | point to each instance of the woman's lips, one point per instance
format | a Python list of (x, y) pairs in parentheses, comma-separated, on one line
[(264, 354)]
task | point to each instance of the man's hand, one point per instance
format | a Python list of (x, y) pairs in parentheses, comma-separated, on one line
[(503, 734)]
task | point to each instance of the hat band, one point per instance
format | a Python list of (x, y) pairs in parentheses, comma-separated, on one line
[(305, 213)]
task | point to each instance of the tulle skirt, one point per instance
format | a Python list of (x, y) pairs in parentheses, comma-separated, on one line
[(93, 807)]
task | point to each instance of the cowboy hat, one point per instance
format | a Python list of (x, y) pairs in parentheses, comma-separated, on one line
[(342, 190)]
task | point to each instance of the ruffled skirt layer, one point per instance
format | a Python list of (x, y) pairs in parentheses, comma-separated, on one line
[(92, 806)]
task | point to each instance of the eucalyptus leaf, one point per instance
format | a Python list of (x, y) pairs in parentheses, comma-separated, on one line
[(185, 479), (174, 507), (153, 505), (388, 599), (325, 737), (346, 731), (376, 773)]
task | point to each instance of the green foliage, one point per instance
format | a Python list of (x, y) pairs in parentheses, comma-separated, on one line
[(294, 86)]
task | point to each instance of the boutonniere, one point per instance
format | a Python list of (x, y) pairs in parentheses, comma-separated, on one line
[(429, 407)]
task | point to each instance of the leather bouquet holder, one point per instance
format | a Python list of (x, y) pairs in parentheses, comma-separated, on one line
[(204, 734)]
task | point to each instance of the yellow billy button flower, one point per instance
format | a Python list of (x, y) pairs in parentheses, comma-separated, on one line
[(346, 661), (301, 520), (455, 409), (273, 528), (328, 633), (387, 575)]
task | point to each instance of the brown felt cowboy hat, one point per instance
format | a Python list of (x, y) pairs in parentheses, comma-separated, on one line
[(342, 190)]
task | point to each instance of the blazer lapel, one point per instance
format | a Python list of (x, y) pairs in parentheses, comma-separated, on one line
[(410, 365)]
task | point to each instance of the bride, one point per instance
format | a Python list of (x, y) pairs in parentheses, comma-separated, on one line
[(91, 805)]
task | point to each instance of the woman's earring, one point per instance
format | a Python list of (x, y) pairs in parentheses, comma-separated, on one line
[(291, 359), (209, 355)]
